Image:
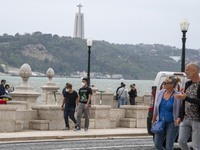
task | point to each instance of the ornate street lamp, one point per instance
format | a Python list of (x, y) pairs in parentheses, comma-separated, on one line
[(89, 45), (184, 27)]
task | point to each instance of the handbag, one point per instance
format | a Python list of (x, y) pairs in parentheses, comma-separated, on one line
[(117, 97), (158, 127)]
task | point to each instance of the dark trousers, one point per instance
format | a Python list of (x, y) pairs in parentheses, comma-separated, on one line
[(132, 101), (69, 113)]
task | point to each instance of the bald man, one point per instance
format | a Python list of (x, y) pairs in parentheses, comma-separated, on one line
[(190, 112)]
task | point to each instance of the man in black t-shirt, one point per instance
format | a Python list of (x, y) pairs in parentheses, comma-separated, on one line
[(84, 99), (70, 101)]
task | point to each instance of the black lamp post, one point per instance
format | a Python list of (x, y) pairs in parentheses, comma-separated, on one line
[(89, 45), (184, 27)]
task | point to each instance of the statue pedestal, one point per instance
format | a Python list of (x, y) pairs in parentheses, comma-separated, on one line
[(49, 94), (49, 91), (25, 94)]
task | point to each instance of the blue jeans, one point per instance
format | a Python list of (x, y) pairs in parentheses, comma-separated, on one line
[(187, 128), (122, 101), (169, 135)]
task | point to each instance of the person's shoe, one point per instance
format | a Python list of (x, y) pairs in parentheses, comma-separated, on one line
[(66, 128), (86, 129), (77, 129)]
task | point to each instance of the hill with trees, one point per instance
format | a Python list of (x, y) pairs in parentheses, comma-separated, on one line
[(67, 55)]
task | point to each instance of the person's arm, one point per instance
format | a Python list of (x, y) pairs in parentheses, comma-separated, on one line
[(89, 99), (156, 105), (77, 101), (153, 118), (176, 114), (127, 96), (64, 102), (135, 92), (118, 91), (183, 96), (192, 100)]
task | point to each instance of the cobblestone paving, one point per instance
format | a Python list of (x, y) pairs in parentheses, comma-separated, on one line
[(139, 143)]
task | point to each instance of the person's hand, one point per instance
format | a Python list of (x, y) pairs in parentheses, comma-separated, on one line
[(76, 109), (86, 106), (152, 122), (182, 90), (180, 96), (62, 108), (177, 122)]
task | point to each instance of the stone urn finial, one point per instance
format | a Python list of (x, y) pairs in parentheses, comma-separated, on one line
[(50, 74), (25, 73)]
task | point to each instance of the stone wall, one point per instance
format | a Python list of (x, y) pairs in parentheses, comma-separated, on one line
[(138, 112), (108, 99), (15, 120)]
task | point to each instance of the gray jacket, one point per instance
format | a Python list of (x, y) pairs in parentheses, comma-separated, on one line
[(123, 93), (176, 107)]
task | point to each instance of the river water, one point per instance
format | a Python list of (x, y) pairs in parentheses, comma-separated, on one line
[(108, 85)]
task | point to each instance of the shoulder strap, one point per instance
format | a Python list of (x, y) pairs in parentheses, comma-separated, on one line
[(121, 92)]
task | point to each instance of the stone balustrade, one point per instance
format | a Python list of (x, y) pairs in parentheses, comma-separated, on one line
[(138, 112), (24, 113), (7, 115), (51, 114)]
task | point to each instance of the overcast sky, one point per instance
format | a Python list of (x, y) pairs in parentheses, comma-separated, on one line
[(116, 21)]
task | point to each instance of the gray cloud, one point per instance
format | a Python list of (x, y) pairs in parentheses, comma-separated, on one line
[(121, 21)]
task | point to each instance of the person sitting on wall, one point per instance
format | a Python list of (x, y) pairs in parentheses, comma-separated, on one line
[(8, 89), (2, 87)]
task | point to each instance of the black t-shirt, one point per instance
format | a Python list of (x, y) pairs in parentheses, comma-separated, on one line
[(84, 94), (71, 99)]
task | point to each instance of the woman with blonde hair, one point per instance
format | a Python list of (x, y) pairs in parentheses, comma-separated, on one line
[(167, 110)]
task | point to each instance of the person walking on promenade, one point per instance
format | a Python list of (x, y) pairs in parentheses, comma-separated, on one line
[(65, 89), (167, 108), (117, 96), (69, 104), (2, 87), (132, 94), (190, 112), (123, 95), (84, 104)]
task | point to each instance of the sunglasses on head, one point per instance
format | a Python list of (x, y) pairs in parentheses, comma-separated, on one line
[(164, 83)]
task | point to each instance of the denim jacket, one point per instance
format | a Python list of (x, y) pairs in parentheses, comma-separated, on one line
[(176, 107)]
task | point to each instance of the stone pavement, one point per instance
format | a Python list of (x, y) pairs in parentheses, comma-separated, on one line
[(70, 134)]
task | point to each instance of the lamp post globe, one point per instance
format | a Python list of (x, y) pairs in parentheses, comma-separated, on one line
[(89, 45), (184, 25)]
